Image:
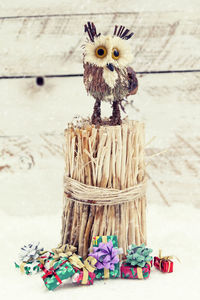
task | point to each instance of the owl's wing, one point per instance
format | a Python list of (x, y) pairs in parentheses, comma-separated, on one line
[(133, 82)]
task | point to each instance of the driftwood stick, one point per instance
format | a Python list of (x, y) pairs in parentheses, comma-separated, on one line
[(68, 210), (124, 157), (118, 157), (88, 230), (82, 230), (73, 227)]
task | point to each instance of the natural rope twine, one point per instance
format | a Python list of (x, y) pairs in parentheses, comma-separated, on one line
[(92, 195)]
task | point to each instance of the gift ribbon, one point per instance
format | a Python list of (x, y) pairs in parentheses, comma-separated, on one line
[(51, 272), (22, 266), (87, 266), (139, 271), (166, 258), (67, 251), (42, 252), (62, 251), (39, 259), (104, 240), (106, 271)]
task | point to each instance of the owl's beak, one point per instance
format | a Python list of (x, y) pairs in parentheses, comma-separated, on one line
[(110, 67)]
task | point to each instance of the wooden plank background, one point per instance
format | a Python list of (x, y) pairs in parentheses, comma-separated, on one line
[(51, 7), (46, 40), (161, 42)]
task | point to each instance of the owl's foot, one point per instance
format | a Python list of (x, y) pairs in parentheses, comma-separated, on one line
[(96, 117), (115, 119), (96, 120)]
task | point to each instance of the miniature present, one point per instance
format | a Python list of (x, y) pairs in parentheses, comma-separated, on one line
[(84, 271), (30, 257), (106, 252), (164, 263), (138, 263), (54, 276), (79, 276), (65, 251), (130, 272)]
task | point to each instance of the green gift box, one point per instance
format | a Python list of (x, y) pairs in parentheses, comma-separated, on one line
[(104, 239), (114, 271), (54, 276)]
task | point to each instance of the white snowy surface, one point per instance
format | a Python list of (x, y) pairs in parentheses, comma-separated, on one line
[(174, 229)]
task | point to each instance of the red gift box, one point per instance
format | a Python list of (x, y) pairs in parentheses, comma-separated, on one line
[(163, 264), (133, 272), (78, 277)]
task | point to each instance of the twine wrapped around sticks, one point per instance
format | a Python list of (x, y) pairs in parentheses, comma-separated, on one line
[(104, 184), (85, 194)]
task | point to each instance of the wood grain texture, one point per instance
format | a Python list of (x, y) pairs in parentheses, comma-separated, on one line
[(50, 45), (45, 38), (51, 7), (27, 109), (168, 104)]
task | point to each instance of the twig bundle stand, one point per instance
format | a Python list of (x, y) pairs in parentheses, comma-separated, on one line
[(104, 184)]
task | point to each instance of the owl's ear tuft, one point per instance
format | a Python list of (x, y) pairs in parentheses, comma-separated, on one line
[(90, 28), (123, 33)]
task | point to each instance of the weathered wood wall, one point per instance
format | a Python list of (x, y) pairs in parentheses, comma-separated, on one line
[(46, 40), (162, 41)]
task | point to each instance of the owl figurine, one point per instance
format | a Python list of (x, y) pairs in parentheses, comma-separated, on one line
[(107, 74)]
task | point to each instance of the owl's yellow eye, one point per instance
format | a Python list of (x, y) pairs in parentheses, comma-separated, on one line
[(115, 53), (101, 51)]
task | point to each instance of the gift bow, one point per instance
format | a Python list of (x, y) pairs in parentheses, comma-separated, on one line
[(87, 266), (166, 258), (108, 252), (39, 259), (30, 252), (68, 251), (63, 251)]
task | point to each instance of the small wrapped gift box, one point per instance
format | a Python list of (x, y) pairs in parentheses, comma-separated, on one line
[(164, 265), (137, 263), (78, 277), (84, 269), (53, 277), (105, 251), (30, 257), (130, 272)]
